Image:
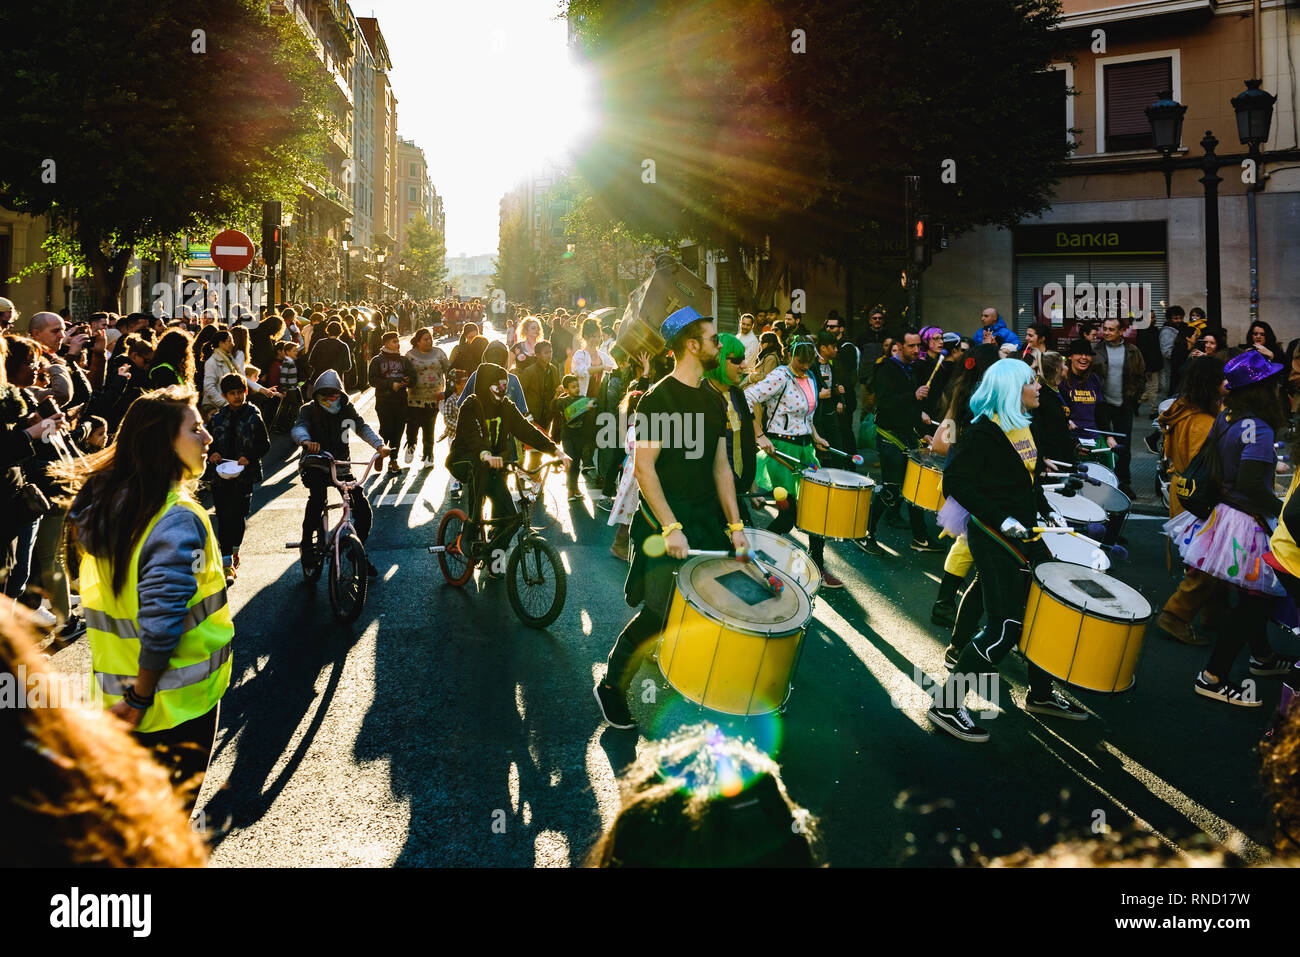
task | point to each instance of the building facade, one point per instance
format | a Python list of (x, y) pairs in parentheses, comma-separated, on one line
[(1111, 222)]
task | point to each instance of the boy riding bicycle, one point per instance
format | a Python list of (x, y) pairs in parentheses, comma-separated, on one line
[(323, 425), (488, 421)]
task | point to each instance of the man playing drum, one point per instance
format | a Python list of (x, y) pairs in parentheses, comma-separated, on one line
[(687, 496)]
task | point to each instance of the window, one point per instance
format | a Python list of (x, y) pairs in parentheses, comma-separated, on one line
[(412, 194), (415, 170), (1130, 87)]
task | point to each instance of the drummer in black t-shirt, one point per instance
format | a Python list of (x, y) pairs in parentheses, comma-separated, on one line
[(688, 495)]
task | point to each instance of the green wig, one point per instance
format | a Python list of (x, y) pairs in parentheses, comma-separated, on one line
[(728, 345)]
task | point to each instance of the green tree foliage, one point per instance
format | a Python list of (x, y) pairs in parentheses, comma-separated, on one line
[(425, 256), (783, 157), (517, 262), (128, 128)]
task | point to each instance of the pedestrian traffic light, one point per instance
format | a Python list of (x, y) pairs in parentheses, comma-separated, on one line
[(271, 232), (921, 241)]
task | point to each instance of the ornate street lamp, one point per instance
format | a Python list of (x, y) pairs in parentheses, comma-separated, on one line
[(1254, 109), (1166, 118)]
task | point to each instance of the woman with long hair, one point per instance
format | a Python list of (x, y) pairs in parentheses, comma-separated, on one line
[(1185, 424), (152, 585), (994, 472), (769, 357), (1260, 337), (1231, 543), (173, 361), (204, 342), (220, 363), (240, 337), (588, 364)]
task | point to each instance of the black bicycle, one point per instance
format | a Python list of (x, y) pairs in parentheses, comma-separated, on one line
[(339, 547), (536, 582)]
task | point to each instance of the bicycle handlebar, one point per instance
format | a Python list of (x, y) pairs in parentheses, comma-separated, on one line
[(533, 473), (334, 463)]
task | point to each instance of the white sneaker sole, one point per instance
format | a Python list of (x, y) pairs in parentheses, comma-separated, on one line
[(1215, 696), (959, 735), (1053, 713)]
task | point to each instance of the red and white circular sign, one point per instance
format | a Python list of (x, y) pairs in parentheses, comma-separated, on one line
[(232, 250)]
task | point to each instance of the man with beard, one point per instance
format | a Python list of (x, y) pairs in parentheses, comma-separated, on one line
[(687, 496)]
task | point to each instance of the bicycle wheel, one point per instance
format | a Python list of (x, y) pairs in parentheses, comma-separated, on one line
[(536, 582), (457, 567), (310, 555), (348, 580)]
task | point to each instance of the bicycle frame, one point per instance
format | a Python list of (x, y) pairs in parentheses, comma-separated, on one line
[(345, 488), (521, 519)]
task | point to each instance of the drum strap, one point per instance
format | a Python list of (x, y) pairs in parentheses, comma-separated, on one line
[(1011, 549), (889, 437)]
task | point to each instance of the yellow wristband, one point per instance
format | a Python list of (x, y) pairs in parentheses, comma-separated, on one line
[(736, 526), (670, 528)]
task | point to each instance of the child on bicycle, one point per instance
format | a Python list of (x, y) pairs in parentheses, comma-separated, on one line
[(488, 421), (238, 435), (325, 424)]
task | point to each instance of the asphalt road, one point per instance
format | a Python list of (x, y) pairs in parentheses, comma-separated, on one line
[(403, 739)]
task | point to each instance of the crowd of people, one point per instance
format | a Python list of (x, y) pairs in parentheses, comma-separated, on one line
[(109, 424)]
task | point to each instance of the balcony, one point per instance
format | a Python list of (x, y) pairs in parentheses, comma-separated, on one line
[(329, 194)]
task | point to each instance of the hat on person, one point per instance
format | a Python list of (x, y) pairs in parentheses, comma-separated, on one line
[(1248, 368), (6, 305), (672, 327), (1079, 347)]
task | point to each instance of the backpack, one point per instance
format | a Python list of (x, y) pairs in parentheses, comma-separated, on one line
[(1200, 485)]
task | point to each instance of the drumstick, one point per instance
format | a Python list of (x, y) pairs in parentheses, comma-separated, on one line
[(942, 356), (855, 458), (655, 546), (789, 458), (1118, 435)]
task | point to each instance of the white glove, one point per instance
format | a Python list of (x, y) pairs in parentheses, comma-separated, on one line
[(1013, 529)]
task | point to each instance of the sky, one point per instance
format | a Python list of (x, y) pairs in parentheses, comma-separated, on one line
[(488, 89)]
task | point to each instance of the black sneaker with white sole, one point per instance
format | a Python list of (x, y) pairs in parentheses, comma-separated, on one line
[(613, 706), (1224, 691), (1277, 665), (870, 545), (1056, 705), (73, 628), (950, 656), (920, 546), (958, 723)]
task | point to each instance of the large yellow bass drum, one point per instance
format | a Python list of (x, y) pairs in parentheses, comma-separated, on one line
[(729, 643), (1084, 627), (834, 503)]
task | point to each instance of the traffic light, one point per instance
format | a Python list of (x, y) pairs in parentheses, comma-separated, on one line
[(271, 213), (921, 241)]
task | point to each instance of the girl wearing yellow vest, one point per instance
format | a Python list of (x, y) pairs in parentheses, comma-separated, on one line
[(152, 585)]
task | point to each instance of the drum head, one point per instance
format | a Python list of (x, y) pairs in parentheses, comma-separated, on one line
[(1076, 508), (732, 593), (1067, 548), (927, 459), (785, 556), (1092, 592), (839, 477), (1108, 497), (1102, 474)]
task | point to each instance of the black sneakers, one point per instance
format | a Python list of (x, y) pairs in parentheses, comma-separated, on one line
[(951, 654), (1224, 691), (613, 706), (1056, 705), (944, 613), (1276, 665), (920, 546), (958, 723), (870, 545)]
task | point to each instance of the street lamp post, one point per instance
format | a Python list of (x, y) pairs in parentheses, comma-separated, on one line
[(1254, 110), (347, 264)]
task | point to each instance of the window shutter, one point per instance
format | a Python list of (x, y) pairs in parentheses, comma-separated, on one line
[(1130, 89)]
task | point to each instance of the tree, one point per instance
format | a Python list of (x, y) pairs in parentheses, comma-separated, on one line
[(425, 255), (781, 133), (516, 265), (314, 267), (128, 125)]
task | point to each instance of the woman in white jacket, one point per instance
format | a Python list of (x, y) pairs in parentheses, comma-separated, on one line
[(220, 363)]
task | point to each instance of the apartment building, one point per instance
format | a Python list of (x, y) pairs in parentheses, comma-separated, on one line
[(414, 188), (1111, 221)]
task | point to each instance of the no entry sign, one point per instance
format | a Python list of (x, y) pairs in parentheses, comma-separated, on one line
[(232, 250)]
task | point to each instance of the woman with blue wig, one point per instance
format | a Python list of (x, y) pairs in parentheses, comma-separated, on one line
[(994, 472)]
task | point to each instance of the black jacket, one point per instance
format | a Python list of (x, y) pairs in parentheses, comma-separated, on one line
[(987, 477), (897, 409), (1051, 428), (329, 354), (476, 432)]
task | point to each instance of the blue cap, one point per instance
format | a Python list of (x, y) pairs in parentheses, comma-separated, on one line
[(671, 327)]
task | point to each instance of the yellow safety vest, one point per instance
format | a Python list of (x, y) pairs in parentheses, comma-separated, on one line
[(198, 671)]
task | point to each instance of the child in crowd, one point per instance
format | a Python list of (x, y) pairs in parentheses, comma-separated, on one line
[(571, 411), (450, 412), (238, 435), (92, 435), (285, 378)]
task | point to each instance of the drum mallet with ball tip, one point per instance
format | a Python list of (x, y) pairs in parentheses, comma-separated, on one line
[(855, 458), (655, 546)]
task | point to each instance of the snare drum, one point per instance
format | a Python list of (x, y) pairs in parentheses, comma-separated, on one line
[(923, 482), (1084, 627), (1067, 548), (1076, 509), (785, 556), (1102, 474), (729, 644), (834, 503)]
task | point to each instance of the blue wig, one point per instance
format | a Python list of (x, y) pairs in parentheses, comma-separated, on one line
[(998, 395)]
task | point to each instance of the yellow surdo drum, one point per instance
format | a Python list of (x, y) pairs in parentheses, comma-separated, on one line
[(923, 481), (834, 503), (729, 643), (1084, 627), (785, 556)]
